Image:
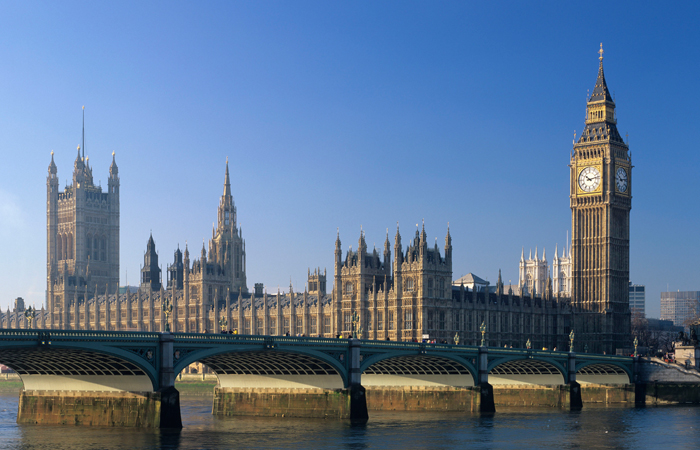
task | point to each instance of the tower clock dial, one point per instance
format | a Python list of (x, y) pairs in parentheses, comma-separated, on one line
[(621, 179), (589, 179)]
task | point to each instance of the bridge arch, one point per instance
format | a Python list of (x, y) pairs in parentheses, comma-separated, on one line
[(68, 368), (411, 369), (255, 367), (514, 370), (591, 372)]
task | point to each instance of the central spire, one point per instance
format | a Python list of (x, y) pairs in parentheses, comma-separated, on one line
[(227, 181)]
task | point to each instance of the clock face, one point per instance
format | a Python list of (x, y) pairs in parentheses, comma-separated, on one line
[(589, 179), (621, 179)]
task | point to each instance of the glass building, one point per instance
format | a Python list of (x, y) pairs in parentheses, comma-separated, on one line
[(681, 307)]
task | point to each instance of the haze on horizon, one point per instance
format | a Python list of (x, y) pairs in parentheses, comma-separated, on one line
[(346, 116)]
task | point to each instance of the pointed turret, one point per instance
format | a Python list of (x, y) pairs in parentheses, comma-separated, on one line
[(522, 254), (600, 90), (52, 166), (227, 181), (113, 169)]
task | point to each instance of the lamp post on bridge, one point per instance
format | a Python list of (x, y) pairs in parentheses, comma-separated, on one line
[(571, 339), (456, 338), (222, 324), (636, 342), (167, 309), (482, 328), (29, 314), (355, 324), (528, 344)]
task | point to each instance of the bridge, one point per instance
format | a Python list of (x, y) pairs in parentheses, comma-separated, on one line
[(127, 378)]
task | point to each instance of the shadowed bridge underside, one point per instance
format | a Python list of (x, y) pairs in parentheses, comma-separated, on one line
[(420, 370), (273, 369), (602, 374), (525, 371), (74, 370)]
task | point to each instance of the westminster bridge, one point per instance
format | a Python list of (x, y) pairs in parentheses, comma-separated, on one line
[(127, 378)]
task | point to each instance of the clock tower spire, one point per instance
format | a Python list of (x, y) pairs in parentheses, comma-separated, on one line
[(601, 200)]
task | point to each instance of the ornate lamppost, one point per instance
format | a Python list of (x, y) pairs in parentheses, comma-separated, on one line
[(29, 314), (528, 344), (571, 340), (222, 324), (456, 338), (585, 348), (482, 328), (355, 323), (167, 309), (359, 333), (636, 342)]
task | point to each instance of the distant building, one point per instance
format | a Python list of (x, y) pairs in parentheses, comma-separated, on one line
[(534, 272), (680, 307), (637, 299)]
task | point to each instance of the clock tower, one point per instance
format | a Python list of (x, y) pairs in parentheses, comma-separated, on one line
[(601, 200)]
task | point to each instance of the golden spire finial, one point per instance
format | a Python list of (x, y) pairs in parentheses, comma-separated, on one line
[(78, 148), (51, 152), (601, 52), (227, 160), (112, 153), (83, 107)]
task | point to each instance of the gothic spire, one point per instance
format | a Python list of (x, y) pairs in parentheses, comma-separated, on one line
[(227, 181), (113, 169), (600, 91), (52, 166)]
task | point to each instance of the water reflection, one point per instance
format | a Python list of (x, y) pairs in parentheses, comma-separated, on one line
[(593, 427)]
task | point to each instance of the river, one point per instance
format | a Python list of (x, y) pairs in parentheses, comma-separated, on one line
[(668, 427)]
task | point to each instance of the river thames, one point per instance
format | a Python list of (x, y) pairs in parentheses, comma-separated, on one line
[(669, 427)]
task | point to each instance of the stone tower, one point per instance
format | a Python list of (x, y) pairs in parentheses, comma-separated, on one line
[(82, 228), (601, 200)]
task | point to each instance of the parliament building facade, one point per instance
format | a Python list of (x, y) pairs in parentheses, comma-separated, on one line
[(402, 293)]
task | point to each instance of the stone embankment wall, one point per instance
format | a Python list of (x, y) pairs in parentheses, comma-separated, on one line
[(90, 408), (421, 398), (282, 402)]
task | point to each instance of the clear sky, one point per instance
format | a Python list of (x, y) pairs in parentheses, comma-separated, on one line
[(347, 115)]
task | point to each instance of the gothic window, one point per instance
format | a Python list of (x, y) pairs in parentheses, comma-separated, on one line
[(442, 287), (408, 320), (88, 246), (300, 325), (369, 323), (431, 320), (347, 322), (226, 217), (430, 287), (380, 321), (409, 285), (211, 294), (441, 321), (95, 249), (273, 325), (313, 326), (59, 247), (391, 321), (259, 326), (69, 250), (103, 248), (247, 326), (327, 325), (348, 288), (286, 325)]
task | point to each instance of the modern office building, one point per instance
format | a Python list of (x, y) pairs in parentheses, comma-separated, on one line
[(637, 299), (682, 307)]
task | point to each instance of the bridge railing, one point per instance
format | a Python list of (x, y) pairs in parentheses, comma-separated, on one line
[(80, 335)]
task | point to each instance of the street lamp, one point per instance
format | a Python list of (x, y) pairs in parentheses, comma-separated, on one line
[(355, 323), (456, 338), (482, 328), (167, 309), (571, 339), (222, 324), (636, 342), (29, 314), (528, 344)]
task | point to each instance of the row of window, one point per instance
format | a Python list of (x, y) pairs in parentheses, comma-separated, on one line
[(410, 286)]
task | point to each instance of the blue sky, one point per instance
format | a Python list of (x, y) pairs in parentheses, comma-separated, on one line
[(347, 115)]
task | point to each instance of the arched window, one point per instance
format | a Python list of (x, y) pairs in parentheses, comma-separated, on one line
[(348, 288), (409, 285), (430, 287), (69, 250), (59, 247), (88, 246), (442, 287), (103, 249)]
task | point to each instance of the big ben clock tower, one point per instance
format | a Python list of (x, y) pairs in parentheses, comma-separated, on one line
[(601, 200)]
